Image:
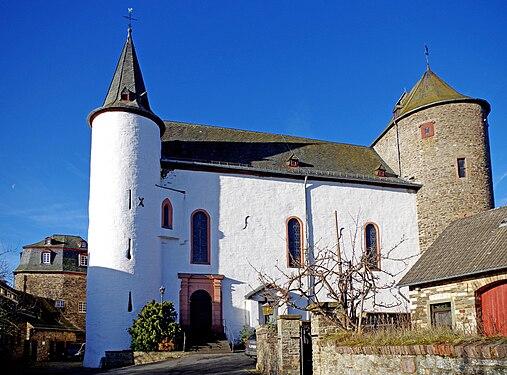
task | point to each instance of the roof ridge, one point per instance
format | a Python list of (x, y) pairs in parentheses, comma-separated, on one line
[(265, 133)]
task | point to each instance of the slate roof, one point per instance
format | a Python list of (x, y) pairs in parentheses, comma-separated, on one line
[(64, 251), (128, 78), (469, 246), (258, 152), (430, 90), (60, 241)]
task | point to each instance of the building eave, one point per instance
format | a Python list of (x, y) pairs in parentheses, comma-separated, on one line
[(294, 173), (483, 103)]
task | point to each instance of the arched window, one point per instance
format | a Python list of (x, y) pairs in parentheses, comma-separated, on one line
[(200, 237), (167, 214), (372, 251), (294, 242)]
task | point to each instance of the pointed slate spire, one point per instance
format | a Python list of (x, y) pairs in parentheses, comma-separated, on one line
[(127, 91)]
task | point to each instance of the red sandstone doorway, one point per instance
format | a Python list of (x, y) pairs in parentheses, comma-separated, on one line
[(201, 302)]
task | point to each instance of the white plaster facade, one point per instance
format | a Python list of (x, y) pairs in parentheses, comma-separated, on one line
[(238, 253)]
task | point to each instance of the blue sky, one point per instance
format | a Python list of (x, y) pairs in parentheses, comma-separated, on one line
[(329, 70)]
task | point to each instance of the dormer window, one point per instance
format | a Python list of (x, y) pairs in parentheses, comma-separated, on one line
[(380, 171), (83, 244), (46, 257), (47, 241), (293, 162), (126, 95)]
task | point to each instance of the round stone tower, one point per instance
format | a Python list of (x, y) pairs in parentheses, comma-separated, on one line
[(124, 251), (439, 139)]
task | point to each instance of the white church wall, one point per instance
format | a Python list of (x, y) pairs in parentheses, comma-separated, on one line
[(248, 227)]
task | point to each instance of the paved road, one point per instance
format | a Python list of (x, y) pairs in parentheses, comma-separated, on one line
[(214, 364)]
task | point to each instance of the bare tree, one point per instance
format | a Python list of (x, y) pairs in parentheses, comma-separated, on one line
[(350, 279)]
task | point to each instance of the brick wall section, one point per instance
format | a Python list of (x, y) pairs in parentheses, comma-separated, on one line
[(267, 350), (68, 287), (461, 131), (460, 293)]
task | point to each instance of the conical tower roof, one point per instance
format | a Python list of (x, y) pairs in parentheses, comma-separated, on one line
[(429, 89), (127, 91)]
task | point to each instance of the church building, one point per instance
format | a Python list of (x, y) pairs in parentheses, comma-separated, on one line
[(201, 210)]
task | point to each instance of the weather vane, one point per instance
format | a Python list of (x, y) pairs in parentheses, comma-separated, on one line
[(427, 53), (129, 17)]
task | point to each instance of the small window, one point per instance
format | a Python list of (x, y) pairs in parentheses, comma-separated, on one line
[(293, 162), (47, 241), (46, 258), (125, 95), (81, 307), (200, 238), (372, 257), (83, 260), (441, 314), (462, 168), (427, 129), (294, 242), (60, 303), (167, 214), (83, 244)]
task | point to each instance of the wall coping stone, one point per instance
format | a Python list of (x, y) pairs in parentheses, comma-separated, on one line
[(496, 350)]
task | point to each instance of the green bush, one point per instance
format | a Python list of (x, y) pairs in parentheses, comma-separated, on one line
[(156, 324), (245, 333)]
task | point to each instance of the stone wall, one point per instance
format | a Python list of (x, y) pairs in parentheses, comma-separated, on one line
[(68, 287), (45, 343), (460, 131), (267, 350), (460, 293), (331, 359), (415, 359)]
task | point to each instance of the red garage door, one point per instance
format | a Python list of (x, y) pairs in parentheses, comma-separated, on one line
[(494, 309)]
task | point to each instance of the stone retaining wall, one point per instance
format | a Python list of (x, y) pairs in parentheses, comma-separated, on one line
[(415, 359)]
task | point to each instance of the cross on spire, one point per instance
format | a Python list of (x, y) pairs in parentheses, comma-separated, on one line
[(427, 53), (129, 17)]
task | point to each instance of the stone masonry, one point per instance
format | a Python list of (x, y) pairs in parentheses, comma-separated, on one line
[(67, 287), (460, 131), (461, 294)]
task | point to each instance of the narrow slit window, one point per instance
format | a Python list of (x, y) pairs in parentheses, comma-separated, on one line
[(129, 306), (129, 249), (462, 168), (129, 197)]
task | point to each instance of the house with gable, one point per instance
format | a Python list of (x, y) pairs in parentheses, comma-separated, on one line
[(461, 280)]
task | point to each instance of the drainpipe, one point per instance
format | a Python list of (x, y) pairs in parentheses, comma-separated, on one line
[(307, 238)]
